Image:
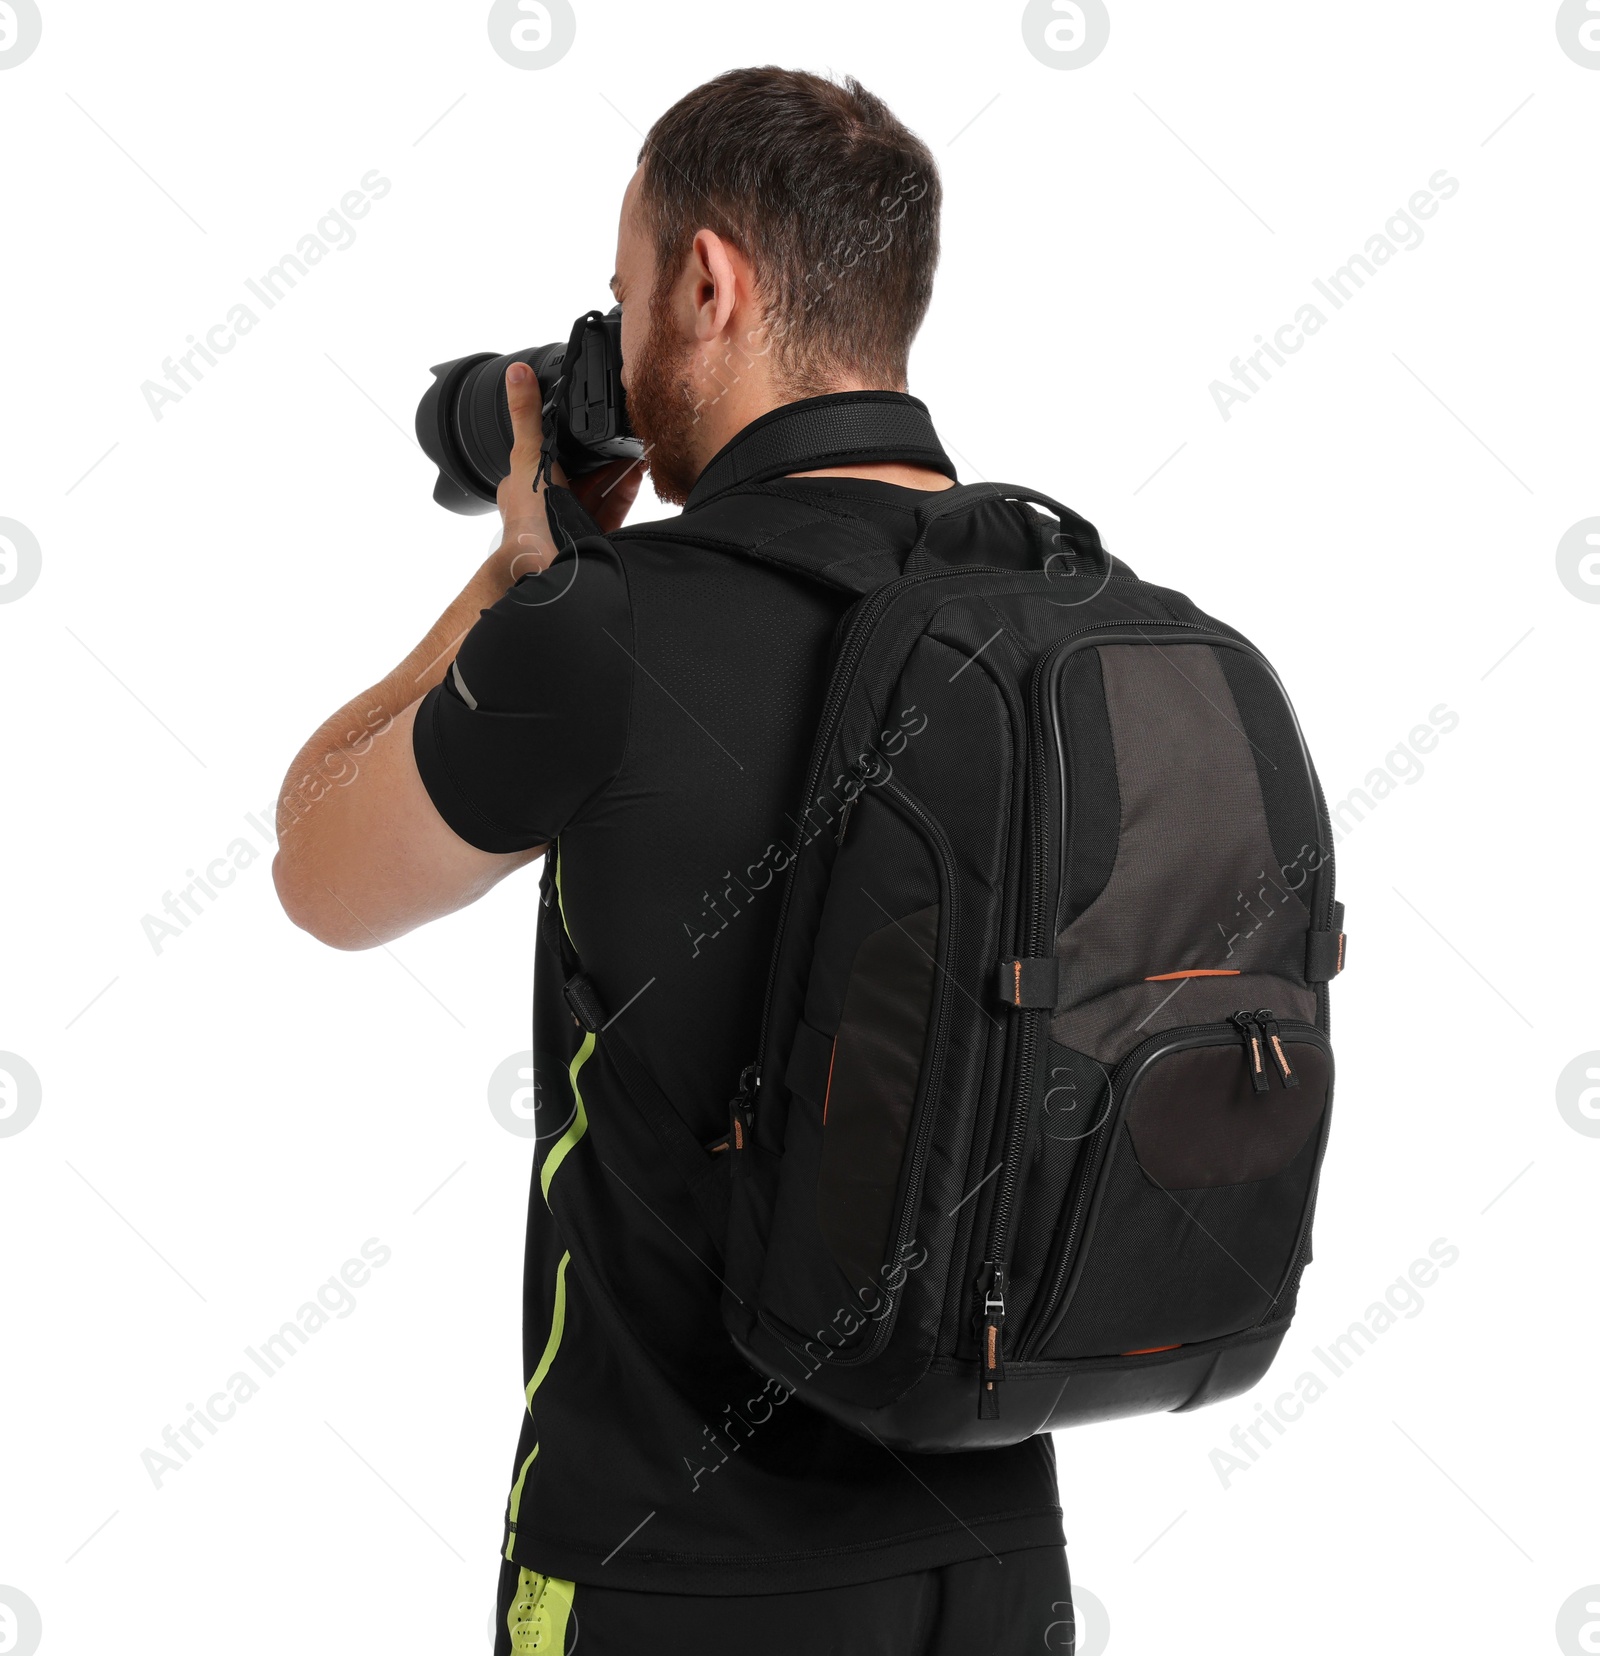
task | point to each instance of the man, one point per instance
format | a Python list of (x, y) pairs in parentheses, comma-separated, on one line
[(643, 700)]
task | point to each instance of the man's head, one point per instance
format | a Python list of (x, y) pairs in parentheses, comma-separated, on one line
[(778, 241)]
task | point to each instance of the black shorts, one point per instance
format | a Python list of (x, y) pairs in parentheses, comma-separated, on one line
[(997, 1606)]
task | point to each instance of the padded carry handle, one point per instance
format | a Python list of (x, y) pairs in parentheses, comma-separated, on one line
[(1077, 535)]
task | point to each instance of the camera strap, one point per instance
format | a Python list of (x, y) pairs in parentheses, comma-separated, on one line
[(843, 428), (542, 477)]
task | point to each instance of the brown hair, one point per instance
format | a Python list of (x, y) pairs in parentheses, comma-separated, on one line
[(833, 201)]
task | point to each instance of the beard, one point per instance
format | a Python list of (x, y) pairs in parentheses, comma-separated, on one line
[(662, 407)]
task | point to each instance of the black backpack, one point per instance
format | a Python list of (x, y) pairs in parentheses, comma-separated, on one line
[(1033, 1133)]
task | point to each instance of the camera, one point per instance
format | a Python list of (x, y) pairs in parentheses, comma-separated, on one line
[(464, 421)]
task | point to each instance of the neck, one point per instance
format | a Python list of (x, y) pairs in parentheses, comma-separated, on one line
[(905, 477)]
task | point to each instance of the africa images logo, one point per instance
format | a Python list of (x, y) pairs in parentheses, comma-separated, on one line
[(1577, 1096), (532, 34), (20, 558), (1577, 557), (20, 30), (20, 1095), (1578, 30), (20, 1623), (1066, 34)]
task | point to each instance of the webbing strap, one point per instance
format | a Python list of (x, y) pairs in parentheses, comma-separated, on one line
[(1325, 950), (1029, 983)]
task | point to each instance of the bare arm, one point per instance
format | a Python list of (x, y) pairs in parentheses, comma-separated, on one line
[(363, 855)]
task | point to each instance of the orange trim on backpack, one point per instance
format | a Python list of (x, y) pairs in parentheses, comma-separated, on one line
[(1198, 971), (833, 1052), (1016, 977), (1147, 1350)]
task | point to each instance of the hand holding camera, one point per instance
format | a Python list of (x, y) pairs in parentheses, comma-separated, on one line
[(487, 433)]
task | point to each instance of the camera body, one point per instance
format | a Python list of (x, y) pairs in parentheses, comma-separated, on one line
[(464, 422)]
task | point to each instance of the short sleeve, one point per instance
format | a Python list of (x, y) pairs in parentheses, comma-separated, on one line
[(530, 723)]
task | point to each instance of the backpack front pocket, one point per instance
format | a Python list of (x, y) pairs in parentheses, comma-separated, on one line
[(1190, 1218), (862, 1074)]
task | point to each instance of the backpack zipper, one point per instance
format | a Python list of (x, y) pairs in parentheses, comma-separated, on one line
[(1297, 1263), (1269, 1029), (1044, 1320), (868, 613), (863, 771), (934, 1069), (1255, 1058), (991, 1280)]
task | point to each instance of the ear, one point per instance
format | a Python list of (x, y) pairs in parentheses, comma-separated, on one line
[(721, 283)]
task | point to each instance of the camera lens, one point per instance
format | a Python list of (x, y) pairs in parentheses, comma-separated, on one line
[(464, 423)]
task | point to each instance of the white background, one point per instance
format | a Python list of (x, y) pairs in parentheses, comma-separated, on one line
[(226, 1121)]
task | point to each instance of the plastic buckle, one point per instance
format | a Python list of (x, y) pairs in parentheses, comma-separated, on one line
[(584, 1002)]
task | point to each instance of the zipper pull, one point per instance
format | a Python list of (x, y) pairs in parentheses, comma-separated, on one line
[(844, 818), (864, 769), (742, 1110), (991, 1365), (1269, 1028), (1254, 1057)]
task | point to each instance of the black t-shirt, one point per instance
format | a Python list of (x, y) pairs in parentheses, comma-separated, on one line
[(650, 705)]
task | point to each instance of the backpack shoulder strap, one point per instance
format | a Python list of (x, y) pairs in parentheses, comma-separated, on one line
[(806, 539)]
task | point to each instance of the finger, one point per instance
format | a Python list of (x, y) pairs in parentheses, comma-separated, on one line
[(616, 490), (525, 541), (608, 492), (527, 418)]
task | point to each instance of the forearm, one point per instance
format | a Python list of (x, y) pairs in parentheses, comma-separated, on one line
[(331, 760), (363, 856), (363, 853)]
